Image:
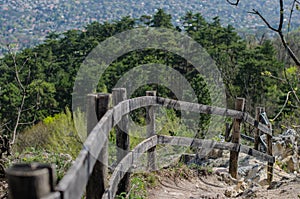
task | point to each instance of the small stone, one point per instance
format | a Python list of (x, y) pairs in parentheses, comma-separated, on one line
[(230, 192)]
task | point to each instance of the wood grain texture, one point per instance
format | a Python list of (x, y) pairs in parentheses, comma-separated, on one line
[(236, 135), (97, 181), (122, 135)]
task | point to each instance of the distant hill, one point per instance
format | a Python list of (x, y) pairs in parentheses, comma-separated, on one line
[(27, 22)]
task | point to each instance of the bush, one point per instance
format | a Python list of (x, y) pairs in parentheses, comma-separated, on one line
[(56, 134), (61, 161)]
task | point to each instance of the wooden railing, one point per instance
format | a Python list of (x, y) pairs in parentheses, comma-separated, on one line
[(89, 171)]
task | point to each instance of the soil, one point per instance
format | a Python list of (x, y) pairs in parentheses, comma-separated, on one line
[(195, 184)]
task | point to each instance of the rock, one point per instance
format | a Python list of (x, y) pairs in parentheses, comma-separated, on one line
[(244, 186), (215, 153), (290, 132), (249, 193), (241, 185), (263, 182), (286, 150), (278, 148), (230, 192), (253, 173), (219, 170), (290, 163), (187, 158), (208, 153), (275, 185)]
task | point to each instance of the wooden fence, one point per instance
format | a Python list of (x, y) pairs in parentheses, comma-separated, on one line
[(88, 174)]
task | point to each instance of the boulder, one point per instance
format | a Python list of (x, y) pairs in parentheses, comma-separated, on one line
[(290, 163), (285, 145)]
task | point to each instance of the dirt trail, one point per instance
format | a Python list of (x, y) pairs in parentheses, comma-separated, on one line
[(187, 188), (183, 184)]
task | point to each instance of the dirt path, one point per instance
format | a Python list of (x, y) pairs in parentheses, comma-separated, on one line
[(183, 184), (187, 188)]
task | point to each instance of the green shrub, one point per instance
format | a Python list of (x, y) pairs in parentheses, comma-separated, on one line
[(61, 161), (56, 134)]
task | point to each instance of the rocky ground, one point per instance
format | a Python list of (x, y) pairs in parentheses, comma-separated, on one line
[(216, 186), (252, 180), (3, 188)]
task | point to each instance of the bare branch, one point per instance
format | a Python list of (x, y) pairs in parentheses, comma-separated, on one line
[(30, 108), (233, 3), (264, 20), (23, 90), (290, 17), (289, 50), (27, 123), (18, 119), (279, 31), (6, 126), (281, 16), (284, 105)]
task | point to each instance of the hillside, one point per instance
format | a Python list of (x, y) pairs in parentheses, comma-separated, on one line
[(27, 22)]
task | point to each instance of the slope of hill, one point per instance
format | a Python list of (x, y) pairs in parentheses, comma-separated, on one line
[(26, 22)]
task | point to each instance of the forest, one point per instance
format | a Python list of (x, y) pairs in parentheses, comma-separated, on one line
[(36, 84)]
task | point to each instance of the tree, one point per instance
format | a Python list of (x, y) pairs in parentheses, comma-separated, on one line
[(161, 19), (290, 50), (251, 80), (279, 29), (22, 93), (222, 43)]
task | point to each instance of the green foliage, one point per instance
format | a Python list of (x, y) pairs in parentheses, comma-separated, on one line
[(161, 19), (56, 134), (139, 188), (61, 161), (64, 138), (48, 72), (139, 185), (201, 169)]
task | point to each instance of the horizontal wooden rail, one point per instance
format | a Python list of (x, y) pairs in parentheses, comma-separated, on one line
[(257, 154), (197, 108), (184, 141), (193, 142), (144, 146), (250, 120)]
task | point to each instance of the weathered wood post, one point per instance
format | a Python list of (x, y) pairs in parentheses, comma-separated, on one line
[(269, 151), (97, 106), (257, 133), (30, 181), (150, 118), (236, 134), (122, 138)]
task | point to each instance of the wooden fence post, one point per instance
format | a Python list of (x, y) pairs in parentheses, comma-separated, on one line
[(98, 105), (259, 111), (270, 152), (150, 118), (236, 134), (122, 138), (30, 181), (257, 133)]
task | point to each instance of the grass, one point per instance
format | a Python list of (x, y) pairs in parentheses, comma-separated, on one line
[(139, 184), (61, 161)]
